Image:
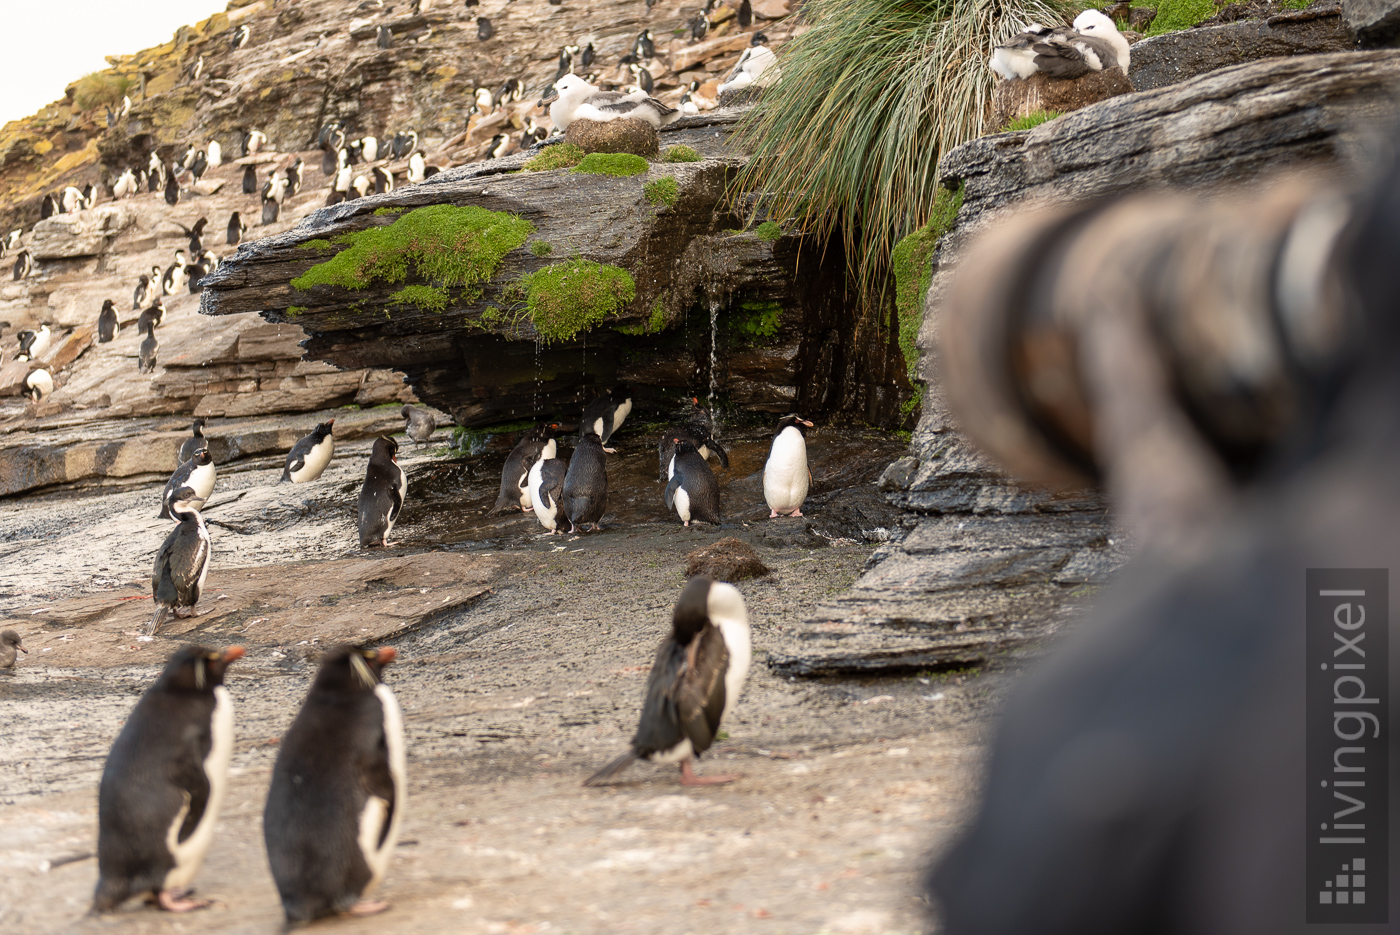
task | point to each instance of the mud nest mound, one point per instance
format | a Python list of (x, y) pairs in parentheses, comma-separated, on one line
[(626, 135), (729, 559)]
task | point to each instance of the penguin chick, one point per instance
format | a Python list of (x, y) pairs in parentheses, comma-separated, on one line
[(9, 643), (381, 496), (182, 561), (164, 783), (310, 455), (786, 477), (418, 424), (196, 441), (695, 681), (605, 415), (338, 790), (546, 489), (585, 494), (197, 474), (692, 491), (536, 444)]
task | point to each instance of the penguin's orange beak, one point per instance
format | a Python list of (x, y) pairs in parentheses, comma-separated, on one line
[(233, 652), (387, 654)]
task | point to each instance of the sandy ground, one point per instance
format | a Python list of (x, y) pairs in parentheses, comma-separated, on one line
[(847, 787)]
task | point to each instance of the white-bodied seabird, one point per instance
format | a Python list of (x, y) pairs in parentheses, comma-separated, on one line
[(576, 99)]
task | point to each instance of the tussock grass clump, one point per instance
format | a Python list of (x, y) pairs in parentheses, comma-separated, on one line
[(1173, 15), (892, 85), (681, 153), (567, 298), (1032, 120), (100, 88), (450, 246), (663, 191), (619, 165), (558, 156)]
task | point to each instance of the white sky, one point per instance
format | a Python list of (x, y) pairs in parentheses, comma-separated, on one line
[(56, 42)]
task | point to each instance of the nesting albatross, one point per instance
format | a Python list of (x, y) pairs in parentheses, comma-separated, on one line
[(576, 99), (1093, 44)]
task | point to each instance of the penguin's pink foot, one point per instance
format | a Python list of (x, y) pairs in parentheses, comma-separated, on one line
[(688, 777), (611, 451), (368, 907), (181, 902), (795, 513), (773, 515)]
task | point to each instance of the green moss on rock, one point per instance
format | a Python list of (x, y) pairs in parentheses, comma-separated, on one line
[(558, 156), (567, 298), (320, 245), (769, 231), (910, 262), (681, 153), (450, 246), (619, 165), (652, 325), (663, 191), (1173, 15), (428, 298), (1034, 119), (541, 248), (757, 320)]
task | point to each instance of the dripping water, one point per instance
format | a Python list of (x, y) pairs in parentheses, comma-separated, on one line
[(535, 397), (714, 343)]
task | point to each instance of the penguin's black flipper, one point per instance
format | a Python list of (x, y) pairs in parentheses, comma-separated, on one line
[(612, 769), (552, 475), (700, 692), (718, 449), (295, 463), (675, 484)]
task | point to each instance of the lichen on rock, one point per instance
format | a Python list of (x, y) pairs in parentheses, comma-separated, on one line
[(567, 298), (450, 246)]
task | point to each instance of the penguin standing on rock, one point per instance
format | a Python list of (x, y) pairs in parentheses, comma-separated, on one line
[(695, 681), (418, 424), (536, 444), (310, 455), (38, 385), (382, 495), (146, 353), (32, 344), (699, 431), (692, 491), (196, 475), (546, 491), (196, 442), (9, 643), (237, 227), (786, 477), (605, 415), (182, 560), (164, 784), (338, 790), (155, 315), (585, 495), (250, 179), (107, 322), (24, 265), (143, 292), (172, 188)]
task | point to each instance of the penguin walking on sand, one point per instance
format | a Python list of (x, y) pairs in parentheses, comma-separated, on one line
[(585, 494), (694, 683), (338, 790), (10, 642), (382, 495), (605, 415), (38, 385), (196, 441), (310, 455), (182, 561), (536, 444), (418, 424), (164, 783), (146, 353), (196, 475), (692, 491), (545, 483), (107, 322), (786, 477)]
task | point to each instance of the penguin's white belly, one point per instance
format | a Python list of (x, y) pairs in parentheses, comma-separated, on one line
[(682, 504), (372, 819), (189, 853), (202, 480), (403, 498), (620, 415), (598, 426), (206, 549), (524, 487), (547, 515), (671, 468), (316, 460), (785, 474), (681, 751)]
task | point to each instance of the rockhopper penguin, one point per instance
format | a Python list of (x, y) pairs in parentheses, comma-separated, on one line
[(38, 385), (535, 444), (107, 322), (9, 643), (338, 790), (692, 491), (546, 491), (785, 476), (197, 474), (182, 561), (196, 440), (699, 431), (605, 415), (146, 353), (585, 495), (164, 782), (381, 496), (696, 679), (310, 455)]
